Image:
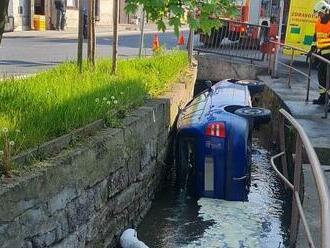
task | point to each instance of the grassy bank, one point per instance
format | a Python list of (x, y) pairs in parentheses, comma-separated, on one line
[(55, 102)]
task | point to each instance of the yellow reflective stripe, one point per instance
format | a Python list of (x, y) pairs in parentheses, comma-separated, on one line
[(322, 91), (323, 45), (325, 51), (322, 35), (322, 40)]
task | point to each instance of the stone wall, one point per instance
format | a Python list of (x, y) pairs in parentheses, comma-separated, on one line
[(89, 193)]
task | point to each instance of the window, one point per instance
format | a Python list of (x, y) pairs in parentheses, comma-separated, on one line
[(72, 4)]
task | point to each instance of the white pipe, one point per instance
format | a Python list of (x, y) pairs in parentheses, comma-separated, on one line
[(129, 239)]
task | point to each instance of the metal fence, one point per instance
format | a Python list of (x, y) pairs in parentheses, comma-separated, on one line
[(302, 141), (233, 39), (309, 80)]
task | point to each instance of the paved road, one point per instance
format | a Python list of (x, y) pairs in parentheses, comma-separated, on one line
[(30, 54)]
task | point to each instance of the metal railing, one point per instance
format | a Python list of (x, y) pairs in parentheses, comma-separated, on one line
[(321, 185), (233, 39), (294, 51)]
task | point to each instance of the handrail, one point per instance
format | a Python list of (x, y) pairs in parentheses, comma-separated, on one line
[(319, 179), (278, 45), (301, 50), (286, 181), (243, 23)]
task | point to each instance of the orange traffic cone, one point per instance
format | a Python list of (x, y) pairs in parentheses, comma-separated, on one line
[(181, 39), (155, 43)]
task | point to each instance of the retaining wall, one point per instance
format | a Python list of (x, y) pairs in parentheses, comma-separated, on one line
[(215, 68), (86, 195)]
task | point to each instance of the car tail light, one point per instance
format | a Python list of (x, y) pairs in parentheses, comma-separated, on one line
[(216, 129)]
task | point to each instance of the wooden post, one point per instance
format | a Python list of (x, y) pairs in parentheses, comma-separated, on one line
[(80, 35), (115, 36)]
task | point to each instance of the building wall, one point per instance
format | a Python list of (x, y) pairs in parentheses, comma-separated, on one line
[(20, 10), (10, 8), (106, 9), (72, 14)]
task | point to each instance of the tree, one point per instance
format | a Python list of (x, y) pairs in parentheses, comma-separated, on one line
[(91, 42), (202, 15), (3, 15), (80, 35), (115, 36)]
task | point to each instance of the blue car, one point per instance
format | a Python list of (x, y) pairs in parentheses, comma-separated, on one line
[(213, 139)]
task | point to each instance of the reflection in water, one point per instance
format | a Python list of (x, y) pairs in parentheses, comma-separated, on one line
[(179, 221)]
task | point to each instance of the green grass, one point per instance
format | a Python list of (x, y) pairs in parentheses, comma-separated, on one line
[(55, 102)]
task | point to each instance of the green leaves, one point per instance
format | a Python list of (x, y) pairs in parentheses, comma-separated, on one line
[(203, 15)]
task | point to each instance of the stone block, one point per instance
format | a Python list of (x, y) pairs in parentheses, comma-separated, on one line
[(60, 200), (79, 211), (123, 199), (134, 164), (34, 221), (44, 240), (118, 181), (74, 240)]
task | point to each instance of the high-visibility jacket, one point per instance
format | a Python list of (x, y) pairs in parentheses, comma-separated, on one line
[(322, 32), (273, 30)]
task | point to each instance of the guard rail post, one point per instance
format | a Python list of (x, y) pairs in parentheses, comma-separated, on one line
[(326, 105), (282, 146), (309, 78), (290, 68), (296, 189)]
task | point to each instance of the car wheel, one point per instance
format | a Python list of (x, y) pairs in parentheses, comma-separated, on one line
[(254, 86), (257, 115)]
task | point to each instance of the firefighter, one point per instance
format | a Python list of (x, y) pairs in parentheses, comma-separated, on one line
[(322, 38)]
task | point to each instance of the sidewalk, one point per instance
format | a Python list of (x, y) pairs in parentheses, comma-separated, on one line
[(123, 29)]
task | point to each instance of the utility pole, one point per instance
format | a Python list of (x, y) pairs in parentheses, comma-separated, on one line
[(80, 35), (280, 24), (115, 36)]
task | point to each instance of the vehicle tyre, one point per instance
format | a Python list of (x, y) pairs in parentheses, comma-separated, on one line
[(200, 86), (253, 85), (257, 115)]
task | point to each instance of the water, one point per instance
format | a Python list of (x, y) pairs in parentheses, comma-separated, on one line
[(176, 220)]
